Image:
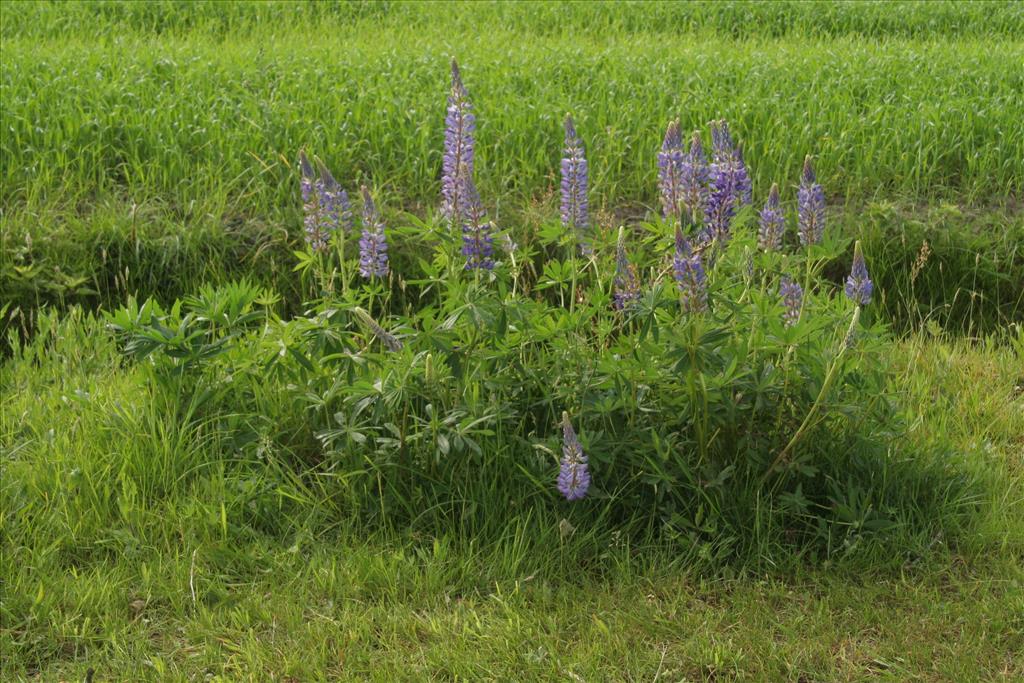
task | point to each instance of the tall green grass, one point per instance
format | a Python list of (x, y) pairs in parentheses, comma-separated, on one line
[(786, 18), (208, 125)]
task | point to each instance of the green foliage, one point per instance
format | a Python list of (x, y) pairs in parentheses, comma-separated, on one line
[(727, 432), (962, 271)]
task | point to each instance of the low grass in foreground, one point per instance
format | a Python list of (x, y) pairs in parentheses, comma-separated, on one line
[(181, 588)]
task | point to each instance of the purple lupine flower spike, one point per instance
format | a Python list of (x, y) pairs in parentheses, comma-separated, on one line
[(312, 205), (728, 162), (792, 300), (460, 125), (691, 280), (721, 142), (373, 247), (810, 204), (336, 209), (670, 166), (773, 223), (694, 179), (721, 207), (575, 209), (573, 475), (626, 288), (858, 285), (744, 186), (477, 231)]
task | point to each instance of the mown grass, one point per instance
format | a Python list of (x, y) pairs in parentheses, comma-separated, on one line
[(136, 547)]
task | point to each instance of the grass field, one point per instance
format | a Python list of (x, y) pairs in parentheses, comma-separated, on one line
[(242, 487)]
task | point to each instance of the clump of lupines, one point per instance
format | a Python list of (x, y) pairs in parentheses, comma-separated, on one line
[(324, 203), (575, 210), (691, 280), (626, 288), (373, 246), (792, 300), (728, 169), (772, 223), (810, 205), (573, 475), (858, 285), (457, 162), (477, 231), (670, 171)]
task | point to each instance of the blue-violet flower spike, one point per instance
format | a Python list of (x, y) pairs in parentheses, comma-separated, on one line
[(694, 178), (477, 231), (626, 288), (858, 285), (773, 223), (336, 209), (373, 247), (721, 206), (792, 300), (312, 205), (573, 475), (670, 171), (728, 162), (810, 205), (691, 280), (460, 125), (575, 211)]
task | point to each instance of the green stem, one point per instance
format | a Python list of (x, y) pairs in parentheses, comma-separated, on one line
[(813, 412)]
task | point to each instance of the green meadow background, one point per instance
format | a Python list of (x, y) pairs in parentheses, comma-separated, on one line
[(148, 149)]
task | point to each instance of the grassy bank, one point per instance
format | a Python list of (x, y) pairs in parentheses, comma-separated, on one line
[(239, 566)]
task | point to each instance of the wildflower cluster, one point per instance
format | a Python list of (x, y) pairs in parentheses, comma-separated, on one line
[(700, 201)]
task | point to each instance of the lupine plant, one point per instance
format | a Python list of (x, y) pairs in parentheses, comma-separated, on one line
[(724, 405)]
